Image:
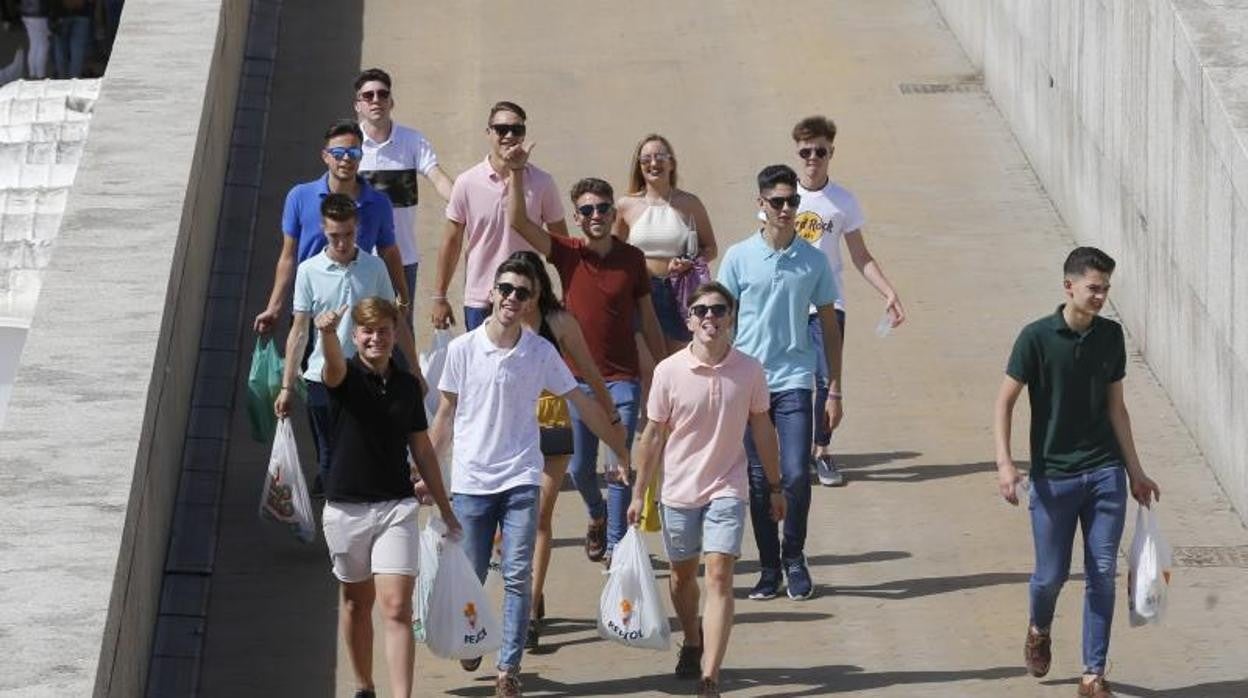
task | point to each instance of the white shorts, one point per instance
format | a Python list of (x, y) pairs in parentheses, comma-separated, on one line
[(372, 538)]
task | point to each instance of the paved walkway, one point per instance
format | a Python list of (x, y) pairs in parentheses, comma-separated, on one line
[(921, 569)]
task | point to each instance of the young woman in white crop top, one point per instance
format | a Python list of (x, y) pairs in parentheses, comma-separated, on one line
[(669, 225)]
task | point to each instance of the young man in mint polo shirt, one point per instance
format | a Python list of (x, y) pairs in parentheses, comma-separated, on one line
[(302, 234), (1083, 457), (776, 277)]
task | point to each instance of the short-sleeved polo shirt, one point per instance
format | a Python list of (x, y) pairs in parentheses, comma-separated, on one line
[(602, 293), (322, 284), (497, 442), (371, 418), (774, 291), (1068, 376), (391, 167), (301, 217), (706, 409), (479, 203)]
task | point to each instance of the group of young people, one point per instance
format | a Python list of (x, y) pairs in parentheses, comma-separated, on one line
[(737, 382)]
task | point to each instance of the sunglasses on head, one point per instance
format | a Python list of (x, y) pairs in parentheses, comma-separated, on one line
[(778, 202), (370, 95), (504, 130), (339, 152), (506, 290), (655, 157), (589, 209), (820, 152), (700, 310)]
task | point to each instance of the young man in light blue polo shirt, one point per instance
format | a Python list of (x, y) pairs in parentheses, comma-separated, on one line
[(302, 234), (334, 279), (776, 277)]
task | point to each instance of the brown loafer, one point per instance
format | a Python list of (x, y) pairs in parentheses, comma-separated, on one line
[(1096, 688), (1037, 652), (707, 688), (507, 686), (596, 540)]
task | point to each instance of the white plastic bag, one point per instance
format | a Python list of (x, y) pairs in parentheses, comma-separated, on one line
[(631, 611), (430, 543), (284, 497), (1149, 577), (460, 623), (431, 363)]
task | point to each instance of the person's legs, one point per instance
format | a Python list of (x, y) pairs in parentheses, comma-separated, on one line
[(394, 594), (38, 35), (823, 435), (473, 317), (1102, 517), (723, 527), (682, 541), (478, 515), (1054, 505), (584, 470), (625, 395), (552, 480), (791, 412), (355, 622), (519, 510), (319, 417), (766, 531)]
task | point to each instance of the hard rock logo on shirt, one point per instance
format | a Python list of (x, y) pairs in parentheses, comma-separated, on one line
[(810, 226)]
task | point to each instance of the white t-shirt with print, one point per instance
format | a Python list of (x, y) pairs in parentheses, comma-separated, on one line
[(497, 445), (406, 150), (823, 218)]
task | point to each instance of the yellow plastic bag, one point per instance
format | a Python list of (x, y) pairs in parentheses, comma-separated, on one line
[(650, 521)]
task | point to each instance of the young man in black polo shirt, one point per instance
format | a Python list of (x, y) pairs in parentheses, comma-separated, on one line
[(1082, 457), (376, 416)]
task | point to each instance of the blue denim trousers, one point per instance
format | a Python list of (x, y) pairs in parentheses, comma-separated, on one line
[(823, 435), (584, 464), (1096, 501), (70, 44), (515, 511), (791, 413), (322, 427), (473, 317)]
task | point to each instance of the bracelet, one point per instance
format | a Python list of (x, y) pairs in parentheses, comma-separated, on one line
[(284, 387), (835, 396), (437, 298)]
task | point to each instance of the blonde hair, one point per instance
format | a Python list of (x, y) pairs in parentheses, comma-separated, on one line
[(373, 311), (637, 183)]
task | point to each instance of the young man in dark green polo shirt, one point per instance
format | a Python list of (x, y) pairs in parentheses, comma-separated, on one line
[(1082, 457)]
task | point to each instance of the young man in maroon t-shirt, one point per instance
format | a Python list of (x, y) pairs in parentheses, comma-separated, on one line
[(606, 288)]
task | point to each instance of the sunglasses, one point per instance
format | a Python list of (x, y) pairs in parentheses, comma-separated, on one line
[(778, 202), (506, 290), (716, 310), (819, 152), (339, 152), (504, 130), (378, 95), (656, 157), (589, 209)]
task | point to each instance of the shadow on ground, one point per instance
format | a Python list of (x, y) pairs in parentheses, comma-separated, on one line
[(1235, 688)]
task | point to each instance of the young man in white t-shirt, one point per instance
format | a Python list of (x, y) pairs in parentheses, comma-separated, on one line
[(393, 155), (701, 398), (827, 214), (490, 385)]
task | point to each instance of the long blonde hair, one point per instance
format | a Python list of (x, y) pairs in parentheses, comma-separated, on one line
[(637, 183)]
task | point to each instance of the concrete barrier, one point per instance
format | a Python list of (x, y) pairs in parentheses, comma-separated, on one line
[(92, 445), (1132, 113)]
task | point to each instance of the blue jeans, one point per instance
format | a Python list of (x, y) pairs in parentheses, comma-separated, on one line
[(319, 417), (791, 413), (473, 317), (69, 45), (668, 312), (584, 463), (409, 273), (823, 435), (515, 511), (1096, 501)]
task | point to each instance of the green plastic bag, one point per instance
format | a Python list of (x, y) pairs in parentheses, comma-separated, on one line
[(263, 384)]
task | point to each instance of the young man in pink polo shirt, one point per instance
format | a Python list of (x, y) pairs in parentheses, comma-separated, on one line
[(701, 397), (477, 216)]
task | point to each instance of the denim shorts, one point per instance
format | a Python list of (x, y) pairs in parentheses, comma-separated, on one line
[(716, 527)]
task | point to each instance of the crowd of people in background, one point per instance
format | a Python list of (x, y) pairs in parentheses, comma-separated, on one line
[(64, 38), (735, 385)]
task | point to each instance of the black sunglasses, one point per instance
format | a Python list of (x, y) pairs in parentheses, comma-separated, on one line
[(506, 290), (504, 130), (716, 310), (820, 152), (370, 95), (588, 209), (778, 202)]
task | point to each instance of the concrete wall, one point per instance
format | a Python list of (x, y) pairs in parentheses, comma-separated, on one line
[(91, 450), (1133, 114)]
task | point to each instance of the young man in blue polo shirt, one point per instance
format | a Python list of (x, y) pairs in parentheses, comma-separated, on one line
[(302, 234), (776, 277), (340, 274), (1083, 457)]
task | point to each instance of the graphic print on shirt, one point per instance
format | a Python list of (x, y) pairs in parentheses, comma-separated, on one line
[(811, 226)]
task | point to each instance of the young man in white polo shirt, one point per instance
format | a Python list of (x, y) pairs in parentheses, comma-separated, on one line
[(701, 398), (393, 156), (490, 385)]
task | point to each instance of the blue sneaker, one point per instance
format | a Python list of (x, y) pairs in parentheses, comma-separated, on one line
[(768, 586), (799, 585)]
